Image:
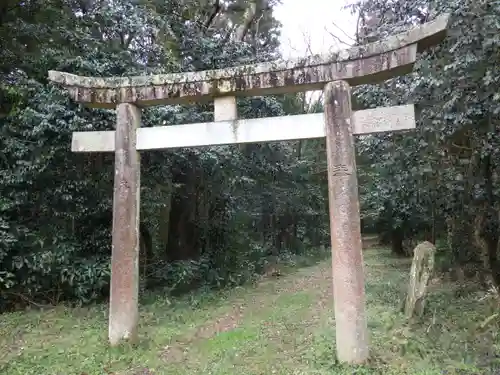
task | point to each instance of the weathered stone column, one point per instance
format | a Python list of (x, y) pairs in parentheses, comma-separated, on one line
[(347, 257), (124, 310)]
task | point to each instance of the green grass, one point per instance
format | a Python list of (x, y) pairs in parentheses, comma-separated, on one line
[(281, 326)]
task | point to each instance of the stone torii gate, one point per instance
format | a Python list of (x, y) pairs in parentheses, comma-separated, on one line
[(333, 73)]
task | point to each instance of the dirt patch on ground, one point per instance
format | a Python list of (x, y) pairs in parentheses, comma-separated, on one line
[(317, 282), (179, 348), (370, 242)]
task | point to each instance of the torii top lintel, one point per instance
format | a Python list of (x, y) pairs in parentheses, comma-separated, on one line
[(365, 64)]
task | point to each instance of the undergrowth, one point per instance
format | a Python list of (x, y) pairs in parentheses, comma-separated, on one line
[(281, 325)]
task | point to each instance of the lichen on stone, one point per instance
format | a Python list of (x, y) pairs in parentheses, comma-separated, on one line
[(361, 64)]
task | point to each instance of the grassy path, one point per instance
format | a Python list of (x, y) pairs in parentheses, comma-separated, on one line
[(281, 326)]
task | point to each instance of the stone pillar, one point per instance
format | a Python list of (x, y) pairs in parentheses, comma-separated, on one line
[(345, 229), (124, 310)]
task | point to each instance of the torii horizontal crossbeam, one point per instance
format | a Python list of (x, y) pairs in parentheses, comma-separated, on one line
[(364, 64), (269, 129)]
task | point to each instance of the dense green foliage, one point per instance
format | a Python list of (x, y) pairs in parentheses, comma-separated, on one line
[(214, 215), (443, 179), (209, 215)]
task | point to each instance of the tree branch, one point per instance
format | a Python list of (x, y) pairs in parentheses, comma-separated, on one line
[(251, 12), (217, 9)]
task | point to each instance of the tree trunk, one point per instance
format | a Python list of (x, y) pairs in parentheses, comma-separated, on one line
[(487, 222), (253, 9), (164, 224), (397, 238)]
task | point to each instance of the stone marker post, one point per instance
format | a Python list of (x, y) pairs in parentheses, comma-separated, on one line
[(123, 309), (421, 271), (345, 230)]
